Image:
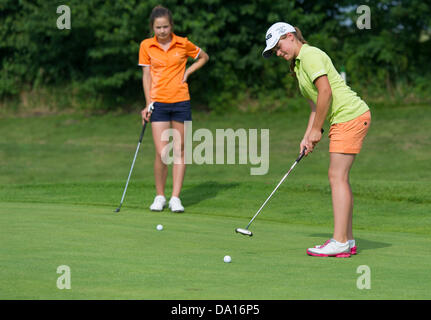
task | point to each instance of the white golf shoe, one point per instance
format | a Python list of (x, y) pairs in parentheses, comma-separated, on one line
[(352, 246), (175, 205), (331, 248), (158, 204)]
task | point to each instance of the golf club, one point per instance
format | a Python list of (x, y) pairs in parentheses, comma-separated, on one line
[(247, 232), (150, 109)]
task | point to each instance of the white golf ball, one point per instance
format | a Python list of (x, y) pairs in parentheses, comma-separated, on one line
[(159, 227), (227, 259)]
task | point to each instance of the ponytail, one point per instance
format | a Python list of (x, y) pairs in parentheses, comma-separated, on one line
[(300, 38), (299, 35)]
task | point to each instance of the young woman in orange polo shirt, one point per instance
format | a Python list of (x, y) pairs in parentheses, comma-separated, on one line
[(163, 59)]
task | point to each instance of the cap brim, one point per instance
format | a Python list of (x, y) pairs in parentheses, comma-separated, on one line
[(267, 52)]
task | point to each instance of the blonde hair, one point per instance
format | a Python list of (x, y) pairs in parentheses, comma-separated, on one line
[(300, 38)]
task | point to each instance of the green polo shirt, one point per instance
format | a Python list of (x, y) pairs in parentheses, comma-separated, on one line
[(312, 63)]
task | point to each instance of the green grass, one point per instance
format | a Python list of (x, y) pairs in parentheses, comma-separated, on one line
[(61, 178)]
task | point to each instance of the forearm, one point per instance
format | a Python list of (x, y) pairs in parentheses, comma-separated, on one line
[(323, 103), (199, 63), (146, 83), (310, 118), (324, 98)]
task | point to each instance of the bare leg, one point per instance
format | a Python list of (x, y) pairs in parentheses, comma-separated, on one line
[(179, 168), (342, 197), (160, 168)]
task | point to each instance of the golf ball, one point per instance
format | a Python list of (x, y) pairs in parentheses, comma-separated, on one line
[(227, 259), (159, 227)]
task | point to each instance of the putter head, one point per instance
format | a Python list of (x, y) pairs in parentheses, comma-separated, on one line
[(117, 210), (244, 232)]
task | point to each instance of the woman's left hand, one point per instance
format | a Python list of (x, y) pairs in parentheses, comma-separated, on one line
[(186, 75), (201, 60), (313, 138)]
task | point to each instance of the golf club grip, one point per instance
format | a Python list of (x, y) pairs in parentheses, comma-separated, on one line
[(305, 148), (143, 130), (301, 155)]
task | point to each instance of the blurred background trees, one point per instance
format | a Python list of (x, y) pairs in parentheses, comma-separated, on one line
[(98, 56)]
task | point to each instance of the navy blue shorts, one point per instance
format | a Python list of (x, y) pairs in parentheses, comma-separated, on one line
[(178, 111)]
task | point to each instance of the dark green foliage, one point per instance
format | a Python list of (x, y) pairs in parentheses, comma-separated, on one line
[(98, 57)]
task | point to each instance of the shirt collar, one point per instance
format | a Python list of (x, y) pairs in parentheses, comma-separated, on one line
[(174, 40), (301, 52)]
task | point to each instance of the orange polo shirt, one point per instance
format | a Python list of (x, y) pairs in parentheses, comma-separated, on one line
[(168, 67)]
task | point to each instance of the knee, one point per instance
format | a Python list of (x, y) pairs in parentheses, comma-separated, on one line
[(178, 148), (178, 153), (159, 154), (337, 176), (162, 156)]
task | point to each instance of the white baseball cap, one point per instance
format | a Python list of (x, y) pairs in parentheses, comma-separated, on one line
[(273, 35)]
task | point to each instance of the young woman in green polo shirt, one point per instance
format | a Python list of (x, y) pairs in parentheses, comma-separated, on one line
[(349, 116)]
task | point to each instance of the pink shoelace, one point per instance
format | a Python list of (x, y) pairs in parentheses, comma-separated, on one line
[(323, 245)]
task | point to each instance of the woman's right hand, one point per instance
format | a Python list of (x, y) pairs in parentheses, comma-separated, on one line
[(146, 113)]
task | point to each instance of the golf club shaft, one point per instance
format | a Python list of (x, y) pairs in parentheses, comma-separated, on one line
[(284, 178), (133, 163)]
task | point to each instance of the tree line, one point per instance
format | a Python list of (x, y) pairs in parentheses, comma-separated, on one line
[(98, 55)]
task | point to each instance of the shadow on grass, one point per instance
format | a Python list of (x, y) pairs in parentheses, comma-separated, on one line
[(204, 191), (363, 244)]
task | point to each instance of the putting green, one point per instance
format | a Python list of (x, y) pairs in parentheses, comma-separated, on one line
[(62, 176), (123, 256)]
